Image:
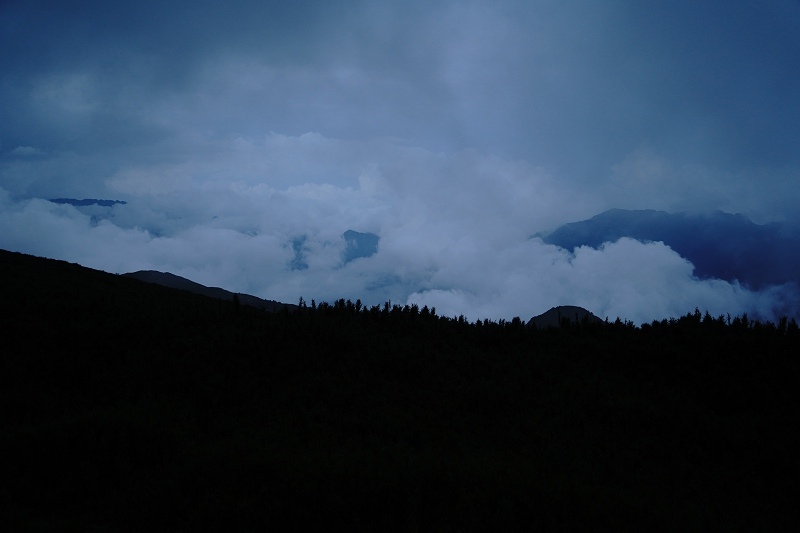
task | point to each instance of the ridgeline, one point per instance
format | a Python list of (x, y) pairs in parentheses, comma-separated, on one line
[(129, 406)]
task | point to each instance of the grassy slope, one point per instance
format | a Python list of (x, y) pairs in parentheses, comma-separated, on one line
[(131, 406)]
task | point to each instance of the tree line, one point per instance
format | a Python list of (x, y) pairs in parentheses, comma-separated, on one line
[(129, 406)]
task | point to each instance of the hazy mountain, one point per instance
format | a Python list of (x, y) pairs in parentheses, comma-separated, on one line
[(359, 245), (86, 202), (176, 282), (298, 262), (719, 245), (553, 317)]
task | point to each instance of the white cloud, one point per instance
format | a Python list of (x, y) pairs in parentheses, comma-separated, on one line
[(627, 279), (27, 151), (454, 233)]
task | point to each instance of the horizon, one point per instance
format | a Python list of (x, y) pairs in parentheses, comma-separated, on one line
[(181, 283), (247, 139)]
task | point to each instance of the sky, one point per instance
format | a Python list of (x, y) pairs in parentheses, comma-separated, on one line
[(247, 136)]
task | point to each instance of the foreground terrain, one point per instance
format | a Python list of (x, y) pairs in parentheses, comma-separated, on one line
[(128, 406)]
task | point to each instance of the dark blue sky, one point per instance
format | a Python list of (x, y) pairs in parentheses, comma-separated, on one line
[(453, 130)]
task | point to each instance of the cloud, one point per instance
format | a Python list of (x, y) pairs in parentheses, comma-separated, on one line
[(570, 87), (440, 245), (452, 130), (627, 279), (26, 151), (670, 186), (720, 245)]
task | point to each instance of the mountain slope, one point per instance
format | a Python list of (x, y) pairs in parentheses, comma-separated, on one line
[(176, 282), (129, 406), (719, 245), (359, 245)]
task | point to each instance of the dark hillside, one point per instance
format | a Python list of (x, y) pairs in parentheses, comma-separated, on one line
[(129, 406), (176, 282), (556, 315)]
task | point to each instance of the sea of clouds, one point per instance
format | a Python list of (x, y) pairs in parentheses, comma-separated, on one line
[(456, 232)]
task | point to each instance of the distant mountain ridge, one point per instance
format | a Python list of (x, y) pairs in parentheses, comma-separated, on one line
[(176, 282), (719, 245), (86, 202), (359, 245)]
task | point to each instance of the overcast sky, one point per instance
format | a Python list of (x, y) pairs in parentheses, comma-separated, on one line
[(454, 130)]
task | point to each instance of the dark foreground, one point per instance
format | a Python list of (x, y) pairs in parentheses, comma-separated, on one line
[(132, 407)]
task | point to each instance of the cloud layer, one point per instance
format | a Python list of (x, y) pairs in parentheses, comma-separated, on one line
[(244, 134), (440, 245)]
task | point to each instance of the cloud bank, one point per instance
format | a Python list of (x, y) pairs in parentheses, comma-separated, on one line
[(247, 138), (440, 244)]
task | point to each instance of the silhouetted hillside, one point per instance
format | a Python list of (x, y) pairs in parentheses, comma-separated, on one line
[(719, 245), (176, 282), (555, 316), (129, 406)]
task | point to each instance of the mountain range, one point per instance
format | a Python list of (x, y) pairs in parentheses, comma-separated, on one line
[(719, 245), (86, 202)]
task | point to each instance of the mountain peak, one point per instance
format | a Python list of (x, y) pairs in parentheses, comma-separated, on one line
[(720, 245), (571, 313)]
